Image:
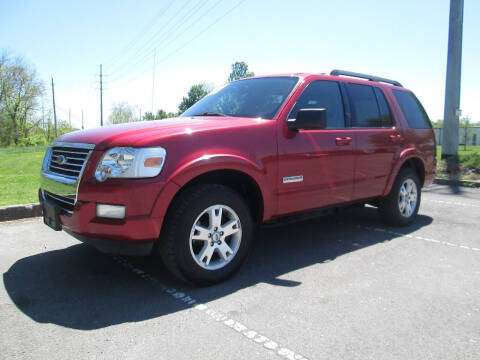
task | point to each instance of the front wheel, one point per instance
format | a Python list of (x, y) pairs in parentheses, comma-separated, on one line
[(401, 206), (207, 234)]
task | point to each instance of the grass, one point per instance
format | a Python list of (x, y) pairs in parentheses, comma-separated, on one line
[(469, 163), (20, 171), (19, 174)]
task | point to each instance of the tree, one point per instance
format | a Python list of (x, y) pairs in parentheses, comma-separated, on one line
[(162, 114), (122, 113), (239, 71), (467, 131), (195, 93), (20, 91), (148, 116)]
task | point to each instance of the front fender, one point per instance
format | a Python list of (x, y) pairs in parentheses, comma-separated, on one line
[(404, 156), (208, 163)]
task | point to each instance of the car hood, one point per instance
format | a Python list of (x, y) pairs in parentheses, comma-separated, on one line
[(148, 133)]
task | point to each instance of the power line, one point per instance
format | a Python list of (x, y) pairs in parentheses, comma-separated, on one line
[(137, 57), (170, 36), (145, 48), (134, 40), (200, 33)]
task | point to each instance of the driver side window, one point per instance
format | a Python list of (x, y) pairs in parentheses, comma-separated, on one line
[(326, 95)]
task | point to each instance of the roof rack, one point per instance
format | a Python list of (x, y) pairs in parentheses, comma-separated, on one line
[(365, 76)]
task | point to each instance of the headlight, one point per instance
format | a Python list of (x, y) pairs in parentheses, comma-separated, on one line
[(128, 162)]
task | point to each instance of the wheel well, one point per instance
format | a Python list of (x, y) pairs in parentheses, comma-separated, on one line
[(238, 181), (417, 165)]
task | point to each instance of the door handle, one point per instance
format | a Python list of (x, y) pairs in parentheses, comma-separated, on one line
[(396, 137), (342, 141)]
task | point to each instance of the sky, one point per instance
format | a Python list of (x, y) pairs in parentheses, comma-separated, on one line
[(195, 41)]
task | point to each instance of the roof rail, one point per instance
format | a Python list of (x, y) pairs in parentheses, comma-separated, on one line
[(365, 76)]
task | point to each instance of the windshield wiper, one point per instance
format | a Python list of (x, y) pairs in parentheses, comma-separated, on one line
[(210, 114)]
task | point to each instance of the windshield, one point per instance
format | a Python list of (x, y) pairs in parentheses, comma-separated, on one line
[(259, 97)]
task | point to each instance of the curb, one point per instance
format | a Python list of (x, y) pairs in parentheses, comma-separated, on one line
[(451, 182), (15, 212)]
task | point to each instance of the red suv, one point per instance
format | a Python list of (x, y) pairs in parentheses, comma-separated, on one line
[(192, 189)]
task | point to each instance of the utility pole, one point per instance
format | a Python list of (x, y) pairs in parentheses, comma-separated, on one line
[(153, 75), (140, 114), (70, 117), (46, 126), (43, 116), (48, 129), (54, 111), (101, 97), (82, 119), (452, 87)]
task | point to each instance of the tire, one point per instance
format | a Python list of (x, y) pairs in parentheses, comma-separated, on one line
[(207, 234), (398, 209)]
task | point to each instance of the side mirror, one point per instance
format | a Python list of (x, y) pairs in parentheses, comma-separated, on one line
[(308, 119)]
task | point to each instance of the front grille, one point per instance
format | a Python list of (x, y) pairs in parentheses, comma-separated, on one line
[(68, 161), (65, 202)]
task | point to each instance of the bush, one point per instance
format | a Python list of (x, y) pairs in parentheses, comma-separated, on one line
[(35, 140), (470, 160)]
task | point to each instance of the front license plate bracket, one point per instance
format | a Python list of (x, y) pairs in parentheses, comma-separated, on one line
[(50, 215)]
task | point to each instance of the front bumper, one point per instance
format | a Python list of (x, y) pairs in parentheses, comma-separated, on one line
[(130, 236), (75, 199), (114, 246)]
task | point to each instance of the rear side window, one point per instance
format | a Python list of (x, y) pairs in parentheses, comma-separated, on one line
[(414, 112), (366, 108), (326, 95)]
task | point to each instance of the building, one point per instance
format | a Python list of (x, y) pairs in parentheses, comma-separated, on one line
[(472, 132)]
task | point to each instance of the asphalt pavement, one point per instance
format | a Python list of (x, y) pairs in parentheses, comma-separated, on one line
[(336, 287)]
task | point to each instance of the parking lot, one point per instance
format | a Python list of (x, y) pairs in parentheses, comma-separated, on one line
[(337, 287)]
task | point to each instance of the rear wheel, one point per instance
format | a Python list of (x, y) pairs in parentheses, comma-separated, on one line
[(207, 234), (400, 207)]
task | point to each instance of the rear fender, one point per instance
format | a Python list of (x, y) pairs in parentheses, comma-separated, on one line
[(405, 155)]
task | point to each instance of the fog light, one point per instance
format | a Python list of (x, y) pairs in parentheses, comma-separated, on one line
[(111, 211)]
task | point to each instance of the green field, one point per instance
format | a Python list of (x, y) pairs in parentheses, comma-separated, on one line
[(469, 163), (468, 158), (19, 174), (20, 169)]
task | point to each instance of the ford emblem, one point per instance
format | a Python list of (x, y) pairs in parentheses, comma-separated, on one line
[(61, 160)]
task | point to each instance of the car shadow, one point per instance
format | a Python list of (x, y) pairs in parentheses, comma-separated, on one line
[(450, 189), (81, 288)]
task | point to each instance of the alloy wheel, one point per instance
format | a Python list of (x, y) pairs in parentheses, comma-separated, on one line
[(215, 237), (407, 198)]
